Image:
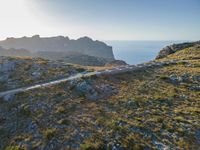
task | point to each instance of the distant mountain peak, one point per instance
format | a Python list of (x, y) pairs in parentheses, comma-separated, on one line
[(36, 36)]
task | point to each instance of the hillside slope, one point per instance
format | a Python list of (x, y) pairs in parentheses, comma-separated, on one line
[(155, 107), (22, 71)]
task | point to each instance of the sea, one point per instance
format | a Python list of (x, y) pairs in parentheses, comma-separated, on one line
[(135, 52)]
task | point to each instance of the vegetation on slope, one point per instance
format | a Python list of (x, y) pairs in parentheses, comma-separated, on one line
[(22, 71), (151, 108)]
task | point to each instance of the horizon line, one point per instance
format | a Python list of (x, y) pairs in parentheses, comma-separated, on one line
[(96, 39)]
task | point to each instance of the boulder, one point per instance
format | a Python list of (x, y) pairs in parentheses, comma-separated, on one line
[(86, 89), (92, 91), (36, 75), (175, 79)]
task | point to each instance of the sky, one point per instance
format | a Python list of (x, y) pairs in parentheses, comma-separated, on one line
[(102, 19)]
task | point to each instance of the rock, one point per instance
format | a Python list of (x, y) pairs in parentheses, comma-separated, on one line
[(196, 78), (195, 88), (175, 79), (3, 77), (185, 77), (9, 97), (94, 92), (132, 104), (121, 123), (36, 74), (86, 89), (164, 52), (160, 145), (7, 66), (33, 128), (106, 89), (83, 87), (197, 135)]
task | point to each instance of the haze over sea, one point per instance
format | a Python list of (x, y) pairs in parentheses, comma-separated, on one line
[(134, 52)]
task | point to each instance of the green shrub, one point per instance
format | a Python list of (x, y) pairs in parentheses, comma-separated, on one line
[(25, 111), (64, 122), (80, 69), (163, 77), (13, 148), (49, 134)]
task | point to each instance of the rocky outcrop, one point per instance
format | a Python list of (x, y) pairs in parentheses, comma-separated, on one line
[(83, 45), (6, 65), (92, 91), (174, 48)]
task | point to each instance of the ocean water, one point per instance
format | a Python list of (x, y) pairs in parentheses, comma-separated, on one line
[(135, 52)]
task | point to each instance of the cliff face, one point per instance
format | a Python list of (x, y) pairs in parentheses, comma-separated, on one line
[(83, 45), (174, 48)]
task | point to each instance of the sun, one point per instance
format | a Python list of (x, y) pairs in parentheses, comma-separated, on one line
[(18, 19)]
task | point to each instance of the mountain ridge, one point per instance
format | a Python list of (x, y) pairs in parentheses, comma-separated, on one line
[(83, 51), (84, 45)]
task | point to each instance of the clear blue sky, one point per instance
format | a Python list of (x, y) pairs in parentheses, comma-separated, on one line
[(116, 19)]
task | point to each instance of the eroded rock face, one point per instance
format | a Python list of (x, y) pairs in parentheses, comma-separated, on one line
[(174, 48)]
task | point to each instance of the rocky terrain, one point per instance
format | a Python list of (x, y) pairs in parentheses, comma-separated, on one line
[(153, 107), (22, 71)]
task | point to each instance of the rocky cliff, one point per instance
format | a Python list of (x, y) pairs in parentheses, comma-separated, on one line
[(82, 45), (174, 48)]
